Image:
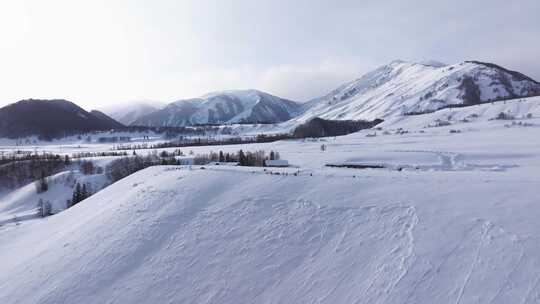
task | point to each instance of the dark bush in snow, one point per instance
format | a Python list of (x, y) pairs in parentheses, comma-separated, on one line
[(42, 184), (87, 167), (80, 193), (504, 116)]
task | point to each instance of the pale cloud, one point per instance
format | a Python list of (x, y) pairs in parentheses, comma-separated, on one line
[(105, 51), (307, 81)]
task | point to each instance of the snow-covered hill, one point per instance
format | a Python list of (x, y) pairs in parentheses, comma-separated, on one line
[(404, 87), (522, 110), (129, 112), (223, 107)]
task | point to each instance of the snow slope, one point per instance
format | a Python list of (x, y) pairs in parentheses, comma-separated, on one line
[(223, 107), (458, 225), (404, 87), (519, 109), (21, 204)]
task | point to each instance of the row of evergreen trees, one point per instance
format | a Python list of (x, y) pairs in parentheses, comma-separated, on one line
[(206, 141), (243, 158)]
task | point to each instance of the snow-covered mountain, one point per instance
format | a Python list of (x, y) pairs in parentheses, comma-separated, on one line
[(404, 87), (129, 112), (223, 107)]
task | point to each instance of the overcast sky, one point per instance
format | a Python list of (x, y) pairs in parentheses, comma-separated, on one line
[(102, 52)]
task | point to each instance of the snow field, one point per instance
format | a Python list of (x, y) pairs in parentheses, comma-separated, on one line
[(458, 225)]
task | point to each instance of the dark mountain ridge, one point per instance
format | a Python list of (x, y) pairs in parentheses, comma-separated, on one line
[(51, 119)]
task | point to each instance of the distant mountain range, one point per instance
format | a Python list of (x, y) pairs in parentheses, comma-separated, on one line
[(398, 88), (50, 118), (238, 106)]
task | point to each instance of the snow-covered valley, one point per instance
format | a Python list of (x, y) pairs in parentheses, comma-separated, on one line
[(451, 217)]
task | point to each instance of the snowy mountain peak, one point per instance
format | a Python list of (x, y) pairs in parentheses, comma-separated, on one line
[(397, 62), (402, 87), (239, 93), (232, 106), (433, 63)]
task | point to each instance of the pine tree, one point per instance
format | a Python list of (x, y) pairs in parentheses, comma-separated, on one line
[(42, 184), (221, 157), (241, 158), (76, 195), (84, 192)]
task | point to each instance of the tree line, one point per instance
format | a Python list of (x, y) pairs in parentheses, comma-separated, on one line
[(125, 166), (19, 172), (199, 141), (242, 158)]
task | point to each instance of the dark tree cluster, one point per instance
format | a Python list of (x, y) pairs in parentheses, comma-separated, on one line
[(80, 193), (165, 154), (42, 184), (87, 167), (200, 141), (504, 116), (318, 127), (126, 166), (97, 154), (114, 139), (19, 172), (243, 158), (173, 132), (19, 156)]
